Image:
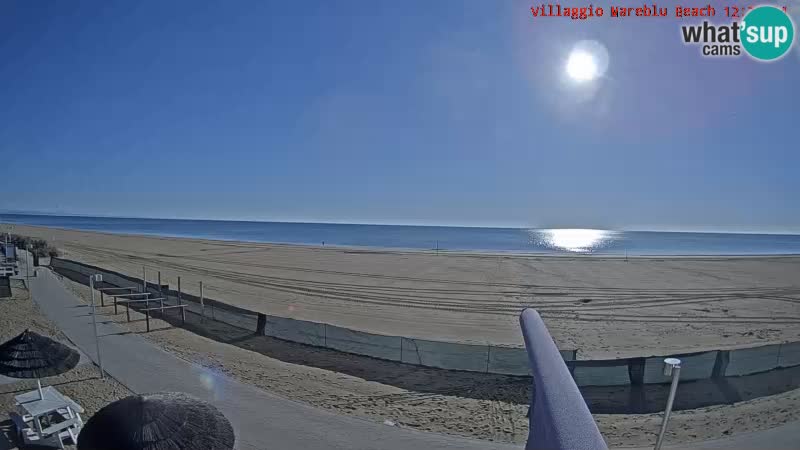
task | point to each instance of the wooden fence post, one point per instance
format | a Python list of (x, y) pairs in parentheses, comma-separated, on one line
[(202, 304), (261, 325), (721, 364), (636, 371)]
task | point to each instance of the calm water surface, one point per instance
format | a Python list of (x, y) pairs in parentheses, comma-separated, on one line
[(559, 241)]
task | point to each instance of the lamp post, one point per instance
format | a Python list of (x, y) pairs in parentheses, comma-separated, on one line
[(28, 263), (672, 366), (92, 279)]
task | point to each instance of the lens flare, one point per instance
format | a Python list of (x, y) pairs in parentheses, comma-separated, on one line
[(587, 61), (581, 66)]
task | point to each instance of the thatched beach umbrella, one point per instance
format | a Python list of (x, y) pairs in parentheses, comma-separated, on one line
[(31, 355), (163, 421)]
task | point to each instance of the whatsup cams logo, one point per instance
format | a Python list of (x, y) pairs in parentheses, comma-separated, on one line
[(765, 33)]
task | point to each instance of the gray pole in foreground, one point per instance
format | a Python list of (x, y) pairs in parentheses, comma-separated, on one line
[(144, 279), (92, 279), (672, 366)]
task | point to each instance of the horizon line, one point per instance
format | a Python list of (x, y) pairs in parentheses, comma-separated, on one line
[(518, 227)]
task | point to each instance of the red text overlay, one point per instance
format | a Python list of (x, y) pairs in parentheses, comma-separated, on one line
[(645, 10)]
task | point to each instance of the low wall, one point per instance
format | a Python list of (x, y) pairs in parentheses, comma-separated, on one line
[(455, 356), (442, 355)]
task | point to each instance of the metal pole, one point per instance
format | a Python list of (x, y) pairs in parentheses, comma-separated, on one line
[(671, 366), (179, 290), (144, 279), (94, 322), (159, 284)]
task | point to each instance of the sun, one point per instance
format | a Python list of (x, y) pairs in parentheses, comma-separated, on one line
[(582, 66)]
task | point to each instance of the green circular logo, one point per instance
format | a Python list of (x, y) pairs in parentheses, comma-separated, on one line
[(767, 33)]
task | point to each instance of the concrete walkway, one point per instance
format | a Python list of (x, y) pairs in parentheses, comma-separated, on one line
[(261, 420)]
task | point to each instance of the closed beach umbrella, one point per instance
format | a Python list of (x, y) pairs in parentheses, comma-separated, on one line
[(31, 355), (163, 421)]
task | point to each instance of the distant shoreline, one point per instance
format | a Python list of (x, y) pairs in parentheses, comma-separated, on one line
[(479, 227), (407, 250)]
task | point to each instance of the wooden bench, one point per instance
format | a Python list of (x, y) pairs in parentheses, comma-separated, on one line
[(146, 302), (111, 289), (20, 423), (124, 296), (62, 430), (162, 308), (52, 435)]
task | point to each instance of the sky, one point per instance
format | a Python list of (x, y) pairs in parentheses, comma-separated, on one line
[(412, 112)]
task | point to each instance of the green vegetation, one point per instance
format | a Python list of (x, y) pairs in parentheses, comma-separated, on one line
[(38, 247)]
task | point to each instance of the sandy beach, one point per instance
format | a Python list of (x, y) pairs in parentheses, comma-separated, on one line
[(604, 307), (476, 405)]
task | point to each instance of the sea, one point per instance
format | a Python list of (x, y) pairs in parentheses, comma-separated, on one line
[(516, 240)]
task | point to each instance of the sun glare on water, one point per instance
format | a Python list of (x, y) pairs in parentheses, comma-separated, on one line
[(575, 240)]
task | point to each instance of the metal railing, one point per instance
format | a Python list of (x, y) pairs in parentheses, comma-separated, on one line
[(559, 417)]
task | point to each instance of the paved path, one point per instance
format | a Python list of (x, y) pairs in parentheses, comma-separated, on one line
[(261, 420)]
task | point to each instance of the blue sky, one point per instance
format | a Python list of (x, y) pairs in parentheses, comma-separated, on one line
[(445, 112)]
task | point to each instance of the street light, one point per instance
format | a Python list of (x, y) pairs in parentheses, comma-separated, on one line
[(672, 366), (92, 279), (28, 262)]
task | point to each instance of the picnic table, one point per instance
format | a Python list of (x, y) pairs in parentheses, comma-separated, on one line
[(47, 418)]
